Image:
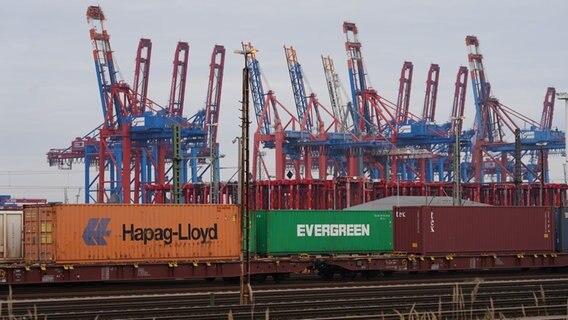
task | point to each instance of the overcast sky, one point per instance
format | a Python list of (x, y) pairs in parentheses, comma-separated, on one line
[(49, 93)]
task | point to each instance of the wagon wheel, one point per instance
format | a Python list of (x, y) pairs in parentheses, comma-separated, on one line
[(371, 274), (348, 275), (257, 278), (326, 275), (278, 277)]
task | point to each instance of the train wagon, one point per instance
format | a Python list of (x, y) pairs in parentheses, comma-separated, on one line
[(107, 233), (281, 232), (428, 230)]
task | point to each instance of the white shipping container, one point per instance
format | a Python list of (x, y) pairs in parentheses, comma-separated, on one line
[(11, 236)]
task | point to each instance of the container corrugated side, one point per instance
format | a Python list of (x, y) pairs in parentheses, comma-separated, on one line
[(323, 232), (11, 243), (475, 230), (143, 233), (252, 233), (407, 229)]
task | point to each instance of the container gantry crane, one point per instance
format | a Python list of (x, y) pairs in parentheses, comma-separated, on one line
[(132, 148), (272, 132), (374, 118), (492, 155), (324, 142)]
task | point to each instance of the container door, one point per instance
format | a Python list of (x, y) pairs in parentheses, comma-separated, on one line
[(13, 245)]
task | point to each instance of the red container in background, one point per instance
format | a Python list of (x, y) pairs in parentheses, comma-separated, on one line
[(473, 230)]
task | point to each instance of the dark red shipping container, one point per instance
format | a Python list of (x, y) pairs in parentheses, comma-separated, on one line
[(446, 230)]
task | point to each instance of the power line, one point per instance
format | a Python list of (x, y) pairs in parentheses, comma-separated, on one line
[(21, 187)]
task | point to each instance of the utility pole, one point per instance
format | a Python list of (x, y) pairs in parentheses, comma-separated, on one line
[(518, 178), (564, 96), (542, 171), (213, 165), (176, 162), (239, 190), (246, 289), (457, 160)]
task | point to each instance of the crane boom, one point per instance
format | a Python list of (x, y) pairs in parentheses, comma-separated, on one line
[(142, 75), (104, 62), (179, 78), (257, 90), (548, 109), (429, 111), (342, 112), (459, 99), (403, 101), (213, 100), (298, 86), (357, 79), (481, 91)]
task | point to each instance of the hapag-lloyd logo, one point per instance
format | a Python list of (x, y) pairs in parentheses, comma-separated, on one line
[(96, 231)]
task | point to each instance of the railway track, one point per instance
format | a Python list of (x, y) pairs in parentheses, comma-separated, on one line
[(472, 298)]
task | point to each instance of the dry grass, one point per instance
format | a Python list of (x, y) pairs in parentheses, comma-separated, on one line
[(461, 311), (32, 314)]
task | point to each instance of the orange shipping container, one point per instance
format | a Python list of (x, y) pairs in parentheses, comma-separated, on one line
[(130, 233)]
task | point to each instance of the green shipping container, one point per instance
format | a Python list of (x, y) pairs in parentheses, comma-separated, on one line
[(323, 232)]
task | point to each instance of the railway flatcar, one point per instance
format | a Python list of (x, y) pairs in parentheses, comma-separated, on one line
[(434, 238), (110, 242), (106, 242)]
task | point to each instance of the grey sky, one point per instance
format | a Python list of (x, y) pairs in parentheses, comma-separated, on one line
[(49, 92)]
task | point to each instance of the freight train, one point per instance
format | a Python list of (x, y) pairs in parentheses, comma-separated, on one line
[(58, 243)]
